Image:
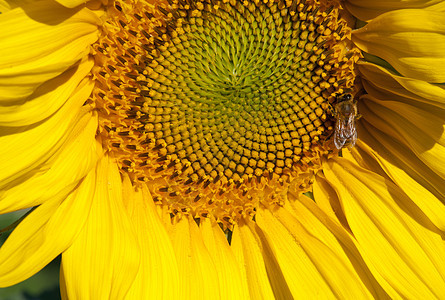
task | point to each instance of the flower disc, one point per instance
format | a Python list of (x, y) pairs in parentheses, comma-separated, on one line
[(220, 105)]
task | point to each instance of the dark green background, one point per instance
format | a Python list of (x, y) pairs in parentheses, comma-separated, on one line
[(43, 285)]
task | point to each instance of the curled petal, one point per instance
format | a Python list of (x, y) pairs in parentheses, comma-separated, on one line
[(411, 40), (406, 258), (104, 259), (370, 9)]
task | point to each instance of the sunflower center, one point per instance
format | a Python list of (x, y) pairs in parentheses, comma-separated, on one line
[(220, 105)]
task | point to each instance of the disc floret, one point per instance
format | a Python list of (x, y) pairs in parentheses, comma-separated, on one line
[(220, 105)]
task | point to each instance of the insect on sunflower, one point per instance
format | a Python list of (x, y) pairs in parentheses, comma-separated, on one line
[(188, 149)]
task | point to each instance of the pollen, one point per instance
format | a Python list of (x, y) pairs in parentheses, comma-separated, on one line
[(220, 106)]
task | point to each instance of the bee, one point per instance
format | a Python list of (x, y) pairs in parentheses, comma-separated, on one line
[(345, 113)]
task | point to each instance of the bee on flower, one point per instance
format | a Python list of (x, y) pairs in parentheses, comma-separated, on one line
[(345, 112)]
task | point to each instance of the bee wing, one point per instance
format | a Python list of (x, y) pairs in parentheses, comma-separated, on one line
[(345, 131), (353, 139), (349, 127), (339, 139)]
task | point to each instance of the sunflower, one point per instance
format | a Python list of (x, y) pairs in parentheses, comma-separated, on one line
[(202, 149)]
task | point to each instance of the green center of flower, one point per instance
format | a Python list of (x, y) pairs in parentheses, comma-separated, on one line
[(220, 105)]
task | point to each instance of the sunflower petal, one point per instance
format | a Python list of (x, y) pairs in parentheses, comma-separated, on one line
[(369, 9), (7, 5), (44, 234), (406, 258), (51, 38), (415, 92), (419, 130), (196, 267), (411, 40), (422, 99), (57, 178), (62, 283), (35, 150), (327, 199), (311, 267), (249, 255), (71, 3), (38, 143), (46, 100), (104, 259), (158, 276), (339, 240), (229, 275), (406, 171)]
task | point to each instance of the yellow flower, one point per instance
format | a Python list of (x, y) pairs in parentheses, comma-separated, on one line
[(186, 149)]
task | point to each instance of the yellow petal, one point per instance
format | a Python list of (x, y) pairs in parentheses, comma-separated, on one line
[(327, 199), (197, 271), (40, 42), (62, 283), (406, 258), (249, 255), (229, 272), (24, 149), (363, 159), (58, 177), (410, 174), (71, 3), (419, 130), (368, 9), (339, 240), (378, 80), (44, 234), (310, 265), (103, 261), (6, 5), (411, 40), (158, 276), (46, 100)]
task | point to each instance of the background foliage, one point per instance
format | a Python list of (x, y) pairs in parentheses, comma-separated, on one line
[(43, 285)]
